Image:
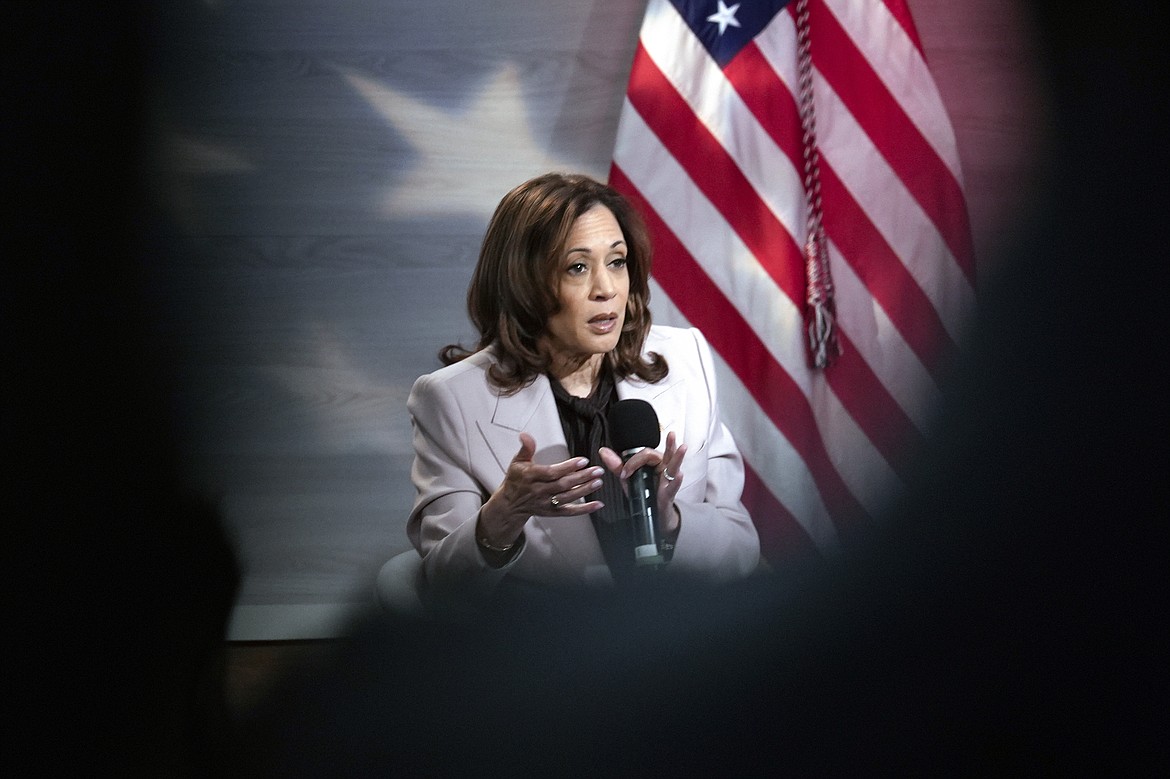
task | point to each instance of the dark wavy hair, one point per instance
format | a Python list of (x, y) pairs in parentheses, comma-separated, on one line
[(513, 290)]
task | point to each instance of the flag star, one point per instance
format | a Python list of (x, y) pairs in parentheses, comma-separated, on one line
[(725, 17), (468, 158)]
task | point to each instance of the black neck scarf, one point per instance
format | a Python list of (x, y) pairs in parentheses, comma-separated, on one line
[(586, 431)]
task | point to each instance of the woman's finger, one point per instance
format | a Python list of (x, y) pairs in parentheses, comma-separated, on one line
[(670, 447), (673, 466), (643, 458), (527, 449), (579, 481), (610, 459), (546, 474)]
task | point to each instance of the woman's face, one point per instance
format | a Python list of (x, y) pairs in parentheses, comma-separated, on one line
[(592, 287)]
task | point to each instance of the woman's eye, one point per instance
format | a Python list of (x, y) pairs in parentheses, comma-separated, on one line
[(577, 268), (618, 262)]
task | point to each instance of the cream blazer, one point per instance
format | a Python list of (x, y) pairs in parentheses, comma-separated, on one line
[(466, 434)]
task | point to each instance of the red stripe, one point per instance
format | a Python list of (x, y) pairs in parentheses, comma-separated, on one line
[(886, 425), (716, 174), (781, 536), (880, 115), (769, 100), (779, 397), (884, 275), (862, 245)]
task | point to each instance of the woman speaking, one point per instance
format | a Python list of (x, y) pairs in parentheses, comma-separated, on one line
[(515, 476)]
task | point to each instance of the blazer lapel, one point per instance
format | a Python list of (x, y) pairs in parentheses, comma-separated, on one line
[(534, 411)]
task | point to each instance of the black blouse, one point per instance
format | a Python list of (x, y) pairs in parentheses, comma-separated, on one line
[(584, 421)]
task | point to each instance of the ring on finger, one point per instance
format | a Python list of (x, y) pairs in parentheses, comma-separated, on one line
[(555, 501), (666, 473)]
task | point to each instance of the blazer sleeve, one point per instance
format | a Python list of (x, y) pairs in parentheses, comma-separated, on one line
[(448, 496), (717, 539)]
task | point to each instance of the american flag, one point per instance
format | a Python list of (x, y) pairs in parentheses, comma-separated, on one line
[(712, 148)]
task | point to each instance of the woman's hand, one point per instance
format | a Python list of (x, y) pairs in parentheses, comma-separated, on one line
[(669, 468), (532, 489)]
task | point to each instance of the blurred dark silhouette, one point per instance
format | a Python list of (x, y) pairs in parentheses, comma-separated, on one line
[(1006, 616), (120, 581)]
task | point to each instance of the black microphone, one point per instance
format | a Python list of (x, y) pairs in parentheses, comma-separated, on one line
[(633, 426)]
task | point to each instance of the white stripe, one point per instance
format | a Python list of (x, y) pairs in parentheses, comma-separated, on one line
[(771, 456), (768, 312), (900, 66), (777, 45), (881, 345), (875, 338), (884, 349), (723, 256), (687, 66), (894, 211), (875, 186), (771, 315)]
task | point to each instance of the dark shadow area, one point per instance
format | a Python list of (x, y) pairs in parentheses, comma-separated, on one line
[(121, 581)]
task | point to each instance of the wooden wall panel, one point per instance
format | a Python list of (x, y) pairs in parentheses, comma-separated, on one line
[(322, 201)]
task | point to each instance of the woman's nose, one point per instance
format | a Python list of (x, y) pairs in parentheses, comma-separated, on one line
[(602, 286)]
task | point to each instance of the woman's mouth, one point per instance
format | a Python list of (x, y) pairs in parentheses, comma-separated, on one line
[(603, 323)]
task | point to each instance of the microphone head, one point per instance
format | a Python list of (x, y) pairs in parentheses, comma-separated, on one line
[(632, 425)]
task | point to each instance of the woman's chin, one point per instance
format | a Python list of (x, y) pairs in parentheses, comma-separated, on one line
[(605, 343)]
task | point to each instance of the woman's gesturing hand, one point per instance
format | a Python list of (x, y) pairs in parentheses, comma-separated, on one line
[(668, 465), (532, 489)]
